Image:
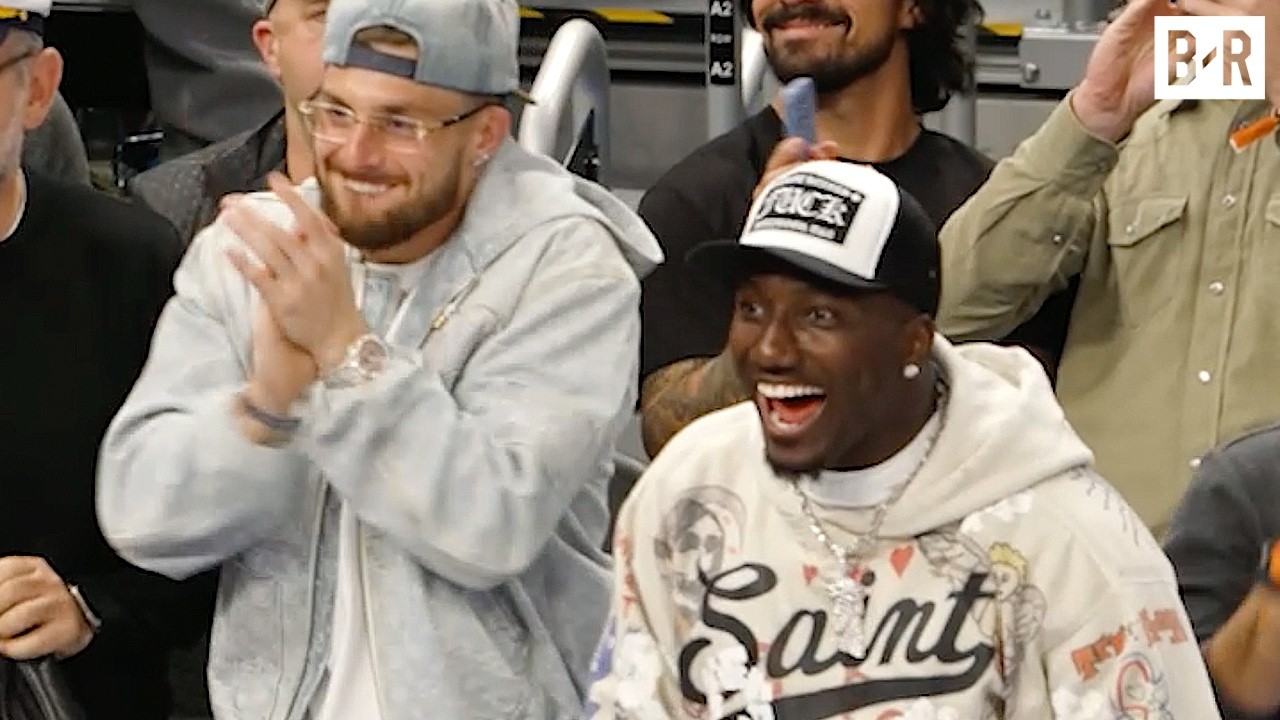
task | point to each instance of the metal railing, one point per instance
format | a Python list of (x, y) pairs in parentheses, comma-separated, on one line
[(755, 68), (1085, 12), (959, 118), (573, 81)]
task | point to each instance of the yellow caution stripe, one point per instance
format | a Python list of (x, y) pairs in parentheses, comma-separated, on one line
[(1004, 29), (622, 16), (632, 16)]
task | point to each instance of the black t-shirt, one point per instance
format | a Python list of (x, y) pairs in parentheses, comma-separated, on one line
[(82, 281), (706, 197), (1231, 509)]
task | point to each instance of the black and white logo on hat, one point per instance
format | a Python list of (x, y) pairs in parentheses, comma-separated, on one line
[(809, 204)]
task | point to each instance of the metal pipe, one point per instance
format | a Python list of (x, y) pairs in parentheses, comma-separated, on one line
[(755, 66), (959, 118), (573, 78), (1077, 13)]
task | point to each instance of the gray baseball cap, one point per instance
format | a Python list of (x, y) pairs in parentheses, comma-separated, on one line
[(466, 45)]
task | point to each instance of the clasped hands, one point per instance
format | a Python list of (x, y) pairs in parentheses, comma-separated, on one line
[(307, 315)]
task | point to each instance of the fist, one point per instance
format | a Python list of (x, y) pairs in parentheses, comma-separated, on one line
[(38, 614), (791, 152)]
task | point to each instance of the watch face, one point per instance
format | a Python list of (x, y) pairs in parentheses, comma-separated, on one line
[(371, 356)]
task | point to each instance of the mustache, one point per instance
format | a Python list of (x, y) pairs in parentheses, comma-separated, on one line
[(811, 11)]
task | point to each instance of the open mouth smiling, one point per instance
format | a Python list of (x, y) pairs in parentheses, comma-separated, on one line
[(788, 410)]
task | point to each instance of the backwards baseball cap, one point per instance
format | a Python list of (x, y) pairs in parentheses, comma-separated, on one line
[(26, 15), (466, 45), (845, 223)]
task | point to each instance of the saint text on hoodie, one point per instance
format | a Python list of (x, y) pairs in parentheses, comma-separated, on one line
[(1009, 582)]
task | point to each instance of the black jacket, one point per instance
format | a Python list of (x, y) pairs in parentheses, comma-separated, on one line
[(82, 282)]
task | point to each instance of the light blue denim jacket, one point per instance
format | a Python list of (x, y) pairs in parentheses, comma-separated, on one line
[(477, 464)]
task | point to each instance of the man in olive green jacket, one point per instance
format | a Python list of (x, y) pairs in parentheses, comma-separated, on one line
[(1175, 334)]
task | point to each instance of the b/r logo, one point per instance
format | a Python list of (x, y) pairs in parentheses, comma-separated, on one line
[(1210, 58)]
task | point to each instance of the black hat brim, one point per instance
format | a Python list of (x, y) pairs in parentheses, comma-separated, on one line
[(33, 24), (730, 262)]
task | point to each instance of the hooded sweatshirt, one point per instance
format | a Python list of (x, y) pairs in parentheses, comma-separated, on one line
[(475, 464), (1009, 581)]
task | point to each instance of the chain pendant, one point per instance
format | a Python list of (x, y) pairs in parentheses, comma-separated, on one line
[(848, 615), (849, 596)]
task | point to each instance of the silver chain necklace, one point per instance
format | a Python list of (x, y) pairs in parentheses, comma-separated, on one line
[(849, 596)]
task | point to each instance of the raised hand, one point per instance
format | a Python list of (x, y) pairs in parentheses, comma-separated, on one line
[(1119, 80), (791, 152)]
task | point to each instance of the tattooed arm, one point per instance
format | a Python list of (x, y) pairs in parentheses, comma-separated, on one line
[(684, 391)]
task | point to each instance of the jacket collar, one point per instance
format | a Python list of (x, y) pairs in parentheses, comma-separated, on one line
[(473, 246), (259, 151)]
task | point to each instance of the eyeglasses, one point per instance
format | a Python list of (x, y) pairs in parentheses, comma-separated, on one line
[(337, 124)]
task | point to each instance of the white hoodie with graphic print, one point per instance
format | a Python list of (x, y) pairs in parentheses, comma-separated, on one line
[(1012, 582)]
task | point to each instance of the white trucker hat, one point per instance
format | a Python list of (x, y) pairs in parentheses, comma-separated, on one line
[(840, 221)]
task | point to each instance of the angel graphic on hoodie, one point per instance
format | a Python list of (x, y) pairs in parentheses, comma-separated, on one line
[(1009, 582)]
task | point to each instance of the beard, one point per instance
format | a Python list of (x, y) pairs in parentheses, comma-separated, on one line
[(830, 74), (397, 225)]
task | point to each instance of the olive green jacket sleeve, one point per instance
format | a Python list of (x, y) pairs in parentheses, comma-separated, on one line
[(1026, 231)]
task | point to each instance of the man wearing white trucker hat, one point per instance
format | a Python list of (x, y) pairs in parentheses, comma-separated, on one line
[(385, 402), (892, 527)]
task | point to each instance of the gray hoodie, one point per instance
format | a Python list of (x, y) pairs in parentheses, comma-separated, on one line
[(476, 463), (1010, 581)]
